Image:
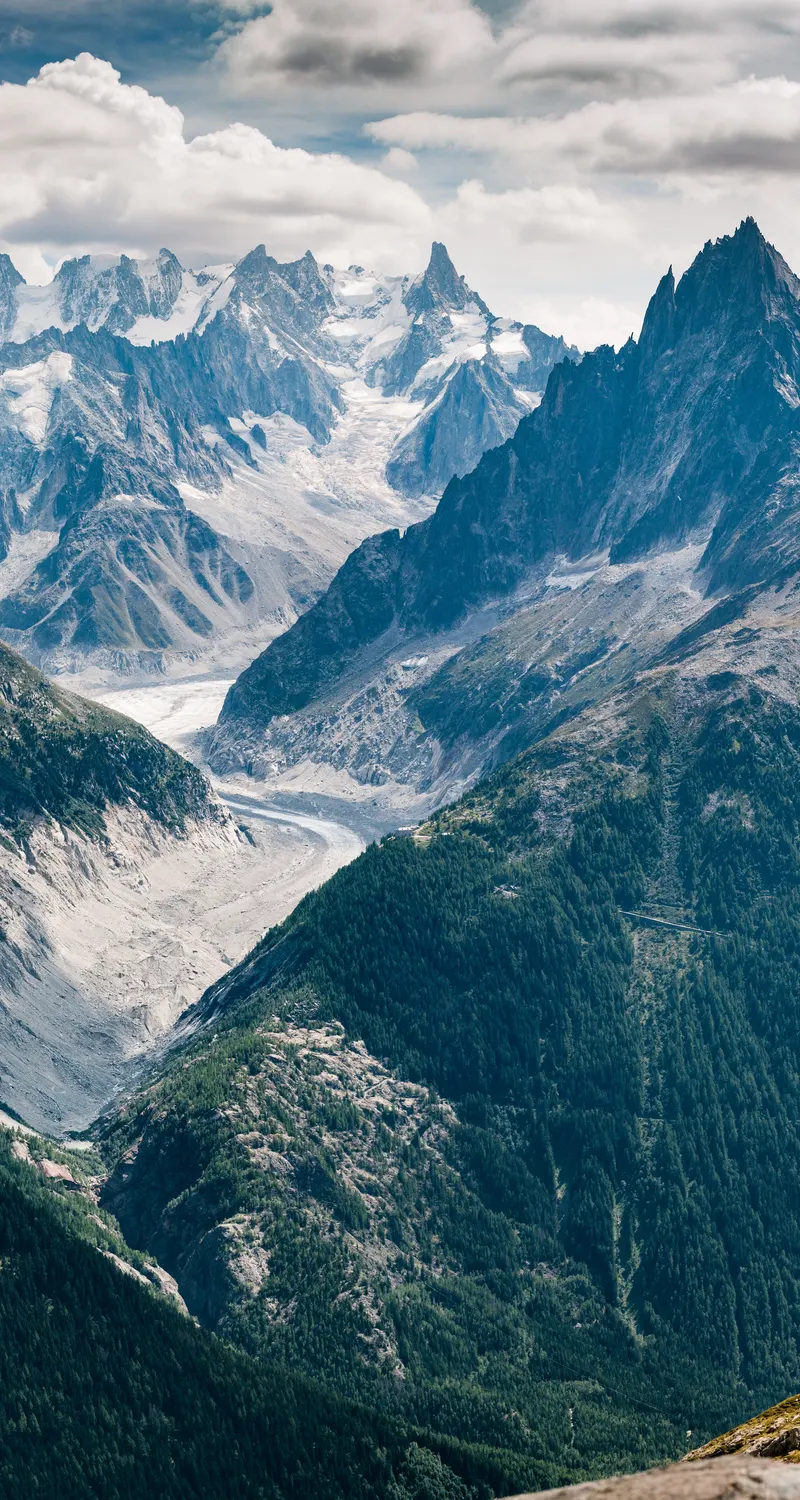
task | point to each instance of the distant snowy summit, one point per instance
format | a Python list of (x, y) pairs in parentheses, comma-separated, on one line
[(145, 300), (406, 335), (190, 453)]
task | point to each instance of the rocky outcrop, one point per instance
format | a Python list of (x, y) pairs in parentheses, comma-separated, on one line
[(477, 410), (745, 1478), (477, 374), (10, 280), (772, 1434)]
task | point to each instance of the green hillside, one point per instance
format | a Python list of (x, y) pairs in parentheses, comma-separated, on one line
[(106, 1390), (65, 758), (499, 1131)]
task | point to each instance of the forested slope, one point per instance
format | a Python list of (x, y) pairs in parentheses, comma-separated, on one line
[(106, 1390), (500, 1129), (65, 758)]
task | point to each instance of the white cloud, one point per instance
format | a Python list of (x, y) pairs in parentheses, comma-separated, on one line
[(586, 321), (548, 215), (363, 44), (87, 162), (582, 61), (566, 154), (666, 40), (751, 125), (595, 47), (399, 160)]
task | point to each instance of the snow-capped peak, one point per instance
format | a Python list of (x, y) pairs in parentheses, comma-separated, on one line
[(141, 299)]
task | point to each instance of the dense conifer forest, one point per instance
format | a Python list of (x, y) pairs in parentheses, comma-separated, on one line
[(64, 758), (107, 1390), (584, 1245)]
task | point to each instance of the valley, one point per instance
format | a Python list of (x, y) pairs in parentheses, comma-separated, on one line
[(107, 940), (483, 1128), (487, 1128), (399, 750), (116, 943)]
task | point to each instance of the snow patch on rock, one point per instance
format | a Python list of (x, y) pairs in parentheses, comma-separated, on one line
[(31, 390)]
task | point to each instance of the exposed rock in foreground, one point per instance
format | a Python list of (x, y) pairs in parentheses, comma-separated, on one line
[(741, 1462), (772, 1434), (741, 1478)]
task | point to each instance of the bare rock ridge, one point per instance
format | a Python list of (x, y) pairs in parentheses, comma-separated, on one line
[(688, 438), (185, 455), (751, 1461), (726, 1479), (774, 1433)]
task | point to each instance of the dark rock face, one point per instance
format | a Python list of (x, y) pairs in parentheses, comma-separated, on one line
[(97, 587), (166, 284), (544, 352), (694, 430), (446, 357), (131, 566), (10, 279), (477, 410), (294, 296), (117, 295), (441, 289)]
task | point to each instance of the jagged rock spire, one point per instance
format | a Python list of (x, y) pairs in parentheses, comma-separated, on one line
[(659, 320), (10, 279), (440, 288)]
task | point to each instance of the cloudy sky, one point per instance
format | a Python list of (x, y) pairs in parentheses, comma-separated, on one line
[(566, 151)]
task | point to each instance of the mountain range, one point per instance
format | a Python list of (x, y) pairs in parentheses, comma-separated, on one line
[(186, 457), (479, 1170), (653, 491)]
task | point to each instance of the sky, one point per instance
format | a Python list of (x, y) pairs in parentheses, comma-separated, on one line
[(566, 151)]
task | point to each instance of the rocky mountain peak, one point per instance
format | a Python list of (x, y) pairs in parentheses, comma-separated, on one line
[(165, 283), (10, 279), (115, 291), (440, 288), (738, 277), (659, 321), (478, 409), (305, 277), (295, 290), (690, 435), (9, 275), (201, 352), (253, 265)]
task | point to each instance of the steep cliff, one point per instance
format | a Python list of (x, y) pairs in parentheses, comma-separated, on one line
[(680, 446)]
